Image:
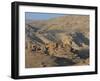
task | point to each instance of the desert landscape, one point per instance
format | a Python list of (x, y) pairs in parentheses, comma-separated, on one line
[(57, 41)]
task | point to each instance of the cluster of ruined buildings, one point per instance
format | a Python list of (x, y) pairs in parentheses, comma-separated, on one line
[(47, 48)]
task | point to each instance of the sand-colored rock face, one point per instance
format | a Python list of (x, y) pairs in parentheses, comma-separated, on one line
[(62, 41)]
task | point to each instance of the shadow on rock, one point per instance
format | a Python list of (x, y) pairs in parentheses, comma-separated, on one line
[(64, 62), (83, 54), (79, 38)]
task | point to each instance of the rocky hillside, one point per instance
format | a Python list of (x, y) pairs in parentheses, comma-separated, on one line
[(60, 41)]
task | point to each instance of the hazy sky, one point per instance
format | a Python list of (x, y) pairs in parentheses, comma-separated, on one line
[(40, 16)]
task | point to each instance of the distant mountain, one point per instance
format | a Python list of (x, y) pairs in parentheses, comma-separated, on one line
[(70, 22)]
